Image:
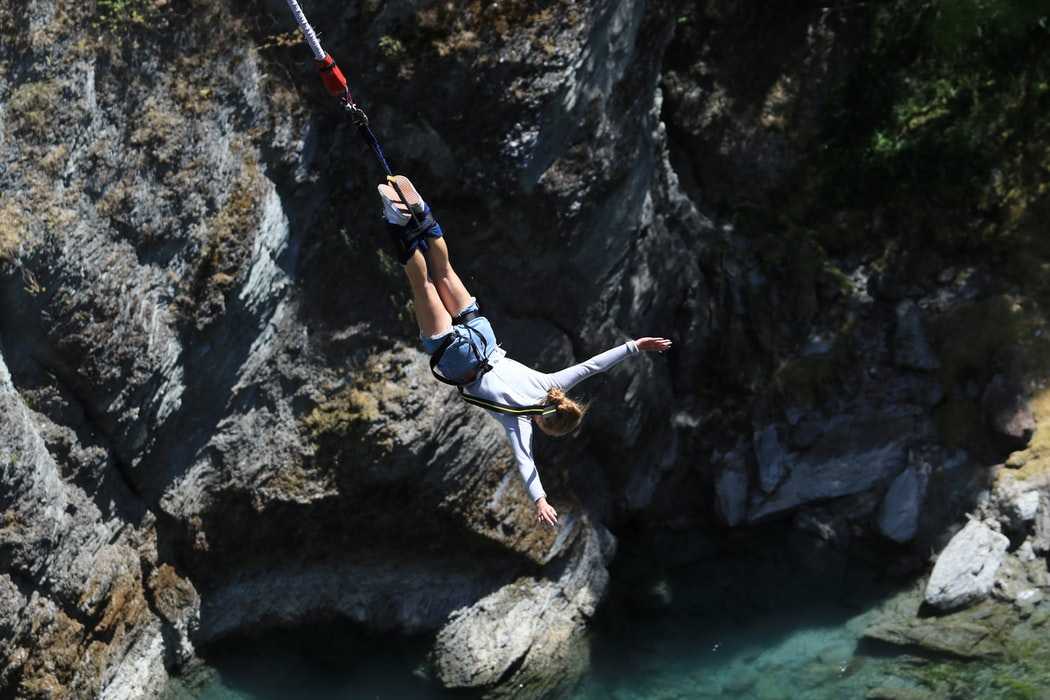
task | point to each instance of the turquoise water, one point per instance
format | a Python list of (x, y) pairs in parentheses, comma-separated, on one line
[(726, 626)]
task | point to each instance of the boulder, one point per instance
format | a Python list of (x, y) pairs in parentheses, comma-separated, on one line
[(902, 505), (519, 635), (965, 571)]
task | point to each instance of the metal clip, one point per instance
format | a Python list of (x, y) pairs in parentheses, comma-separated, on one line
[(357, 115)]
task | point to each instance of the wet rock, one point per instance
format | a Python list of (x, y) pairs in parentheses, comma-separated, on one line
[(965, 571), (899, 694), (884, 693), (1011, 579), (1007, 412), (911, 349), (902, 505), (961, 639)]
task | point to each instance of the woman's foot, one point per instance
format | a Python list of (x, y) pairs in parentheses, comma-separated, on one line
[(401, 201), (409, 220)]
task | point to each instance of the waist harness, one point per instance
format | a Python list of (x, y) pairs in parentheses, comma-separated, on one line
[(481, 366)]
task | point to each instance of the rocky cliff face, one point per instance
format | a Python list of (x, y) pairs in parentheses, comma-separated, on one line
[(215, 414)]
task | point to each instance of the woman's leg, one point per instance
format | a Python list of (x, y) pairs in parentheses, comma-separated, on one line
[(450, 288), (431, 315)]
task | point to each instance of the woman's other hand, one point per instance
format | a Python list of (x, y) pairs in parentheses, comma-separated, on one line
[(653, 344), (545, 513)]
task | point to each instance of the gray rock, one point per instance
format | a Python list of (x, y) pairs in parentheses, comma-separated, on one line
[(902, 505), (1011, 580), (1029, 597), (1025, 507), (911, 349), (731, 493), (1041, 531), (965, 571), (771, 457), (526, 627), (853, 455)]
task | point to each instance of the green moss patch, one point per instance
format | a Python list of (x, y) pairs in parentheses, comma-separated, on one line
[(349, 427), (1033, 462), (346, 414), (32, 107), (117, 15)]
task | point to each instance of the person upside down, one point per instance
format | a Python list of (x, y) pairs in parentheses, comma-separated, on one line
[(463, 349)]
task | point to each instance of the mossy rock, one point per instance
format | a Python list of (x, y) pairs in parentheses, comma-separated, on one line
[(346, 415), (12, 224)]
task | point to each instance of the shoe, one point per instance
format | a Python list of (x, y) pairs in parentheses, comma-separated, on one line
[(412, 196), (409, 220), (401, 200), (394, 210)]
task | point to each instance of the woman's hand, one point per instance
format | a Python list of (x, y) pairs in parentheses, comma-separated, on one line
[(545, 513), (653, 344)]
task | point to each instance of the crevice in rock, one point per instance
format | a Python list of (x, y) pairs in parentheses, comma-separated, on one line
[(513, 668)]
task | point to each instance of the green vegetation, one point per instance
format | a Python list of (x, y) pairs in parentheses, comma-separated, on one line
[(347, 427), (942, 126), (391, 48), (346, 414), (935, 152), (11, 224), (113, 15), (32, 107)]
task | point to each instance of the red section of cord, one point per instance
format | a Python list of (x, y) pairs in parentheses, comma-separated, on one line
[(333, 78)]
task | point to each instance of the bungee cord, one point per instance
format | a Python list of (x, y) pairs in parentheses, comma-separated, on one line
[(338, 86)]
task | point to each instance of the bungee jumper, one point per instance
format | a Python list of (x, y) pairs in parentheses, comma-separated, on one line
[(459, 339)]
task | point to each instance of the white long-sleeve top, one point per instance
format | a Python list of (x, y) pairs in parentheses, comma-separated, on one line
[(511, 383)]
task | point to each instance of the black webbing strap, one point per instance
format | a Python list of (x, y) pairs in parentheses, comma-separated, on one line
[(435, 358), (481, 364), (537, 410), (482, 367)]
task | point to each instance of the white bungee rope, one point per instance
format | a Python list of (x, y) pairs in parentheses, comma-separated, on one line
[(308, 32)]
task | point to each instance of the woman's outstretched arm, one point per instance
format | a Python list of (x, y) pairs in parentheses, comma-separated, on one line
[(571, 376), (519, 434)]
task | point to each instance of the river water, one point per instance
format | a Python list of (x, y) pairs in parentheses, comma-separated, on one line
[(778, 624)]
